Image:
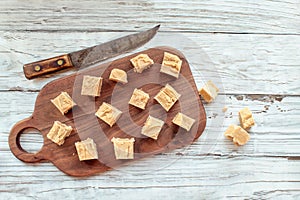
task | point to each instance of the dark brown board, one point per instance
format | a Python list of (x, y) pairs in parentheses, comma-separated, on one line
[(85, 124)]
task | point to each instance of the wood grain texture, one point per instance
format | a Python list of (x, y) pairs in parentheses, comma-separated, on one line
[(85, 124), (268, 137), (225, 165), (259, 70), (197, 16), (271, 178), (47, 66), (269, 64)]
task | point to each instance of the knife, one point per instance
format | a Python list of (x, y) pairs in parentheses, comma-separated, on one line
[(89, 56)]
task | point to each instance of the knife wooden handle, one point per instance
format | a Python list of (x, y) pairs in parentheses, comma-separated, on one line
[(39, 68)]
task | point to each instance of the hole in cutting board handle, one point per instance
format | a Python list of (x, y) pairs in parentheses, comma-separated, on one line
[(15, 144), (31, 140)]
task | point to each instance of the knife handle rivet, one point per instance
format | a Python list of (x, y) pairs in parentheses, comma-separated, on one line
[(60, 62), (37, 68)]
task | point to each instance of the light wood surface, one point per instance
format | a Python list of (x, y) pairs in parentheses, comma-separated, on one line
[(250, 49)]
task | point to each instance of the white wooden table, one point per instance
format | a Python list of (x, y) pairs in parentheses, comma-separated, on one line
[(251, 49)]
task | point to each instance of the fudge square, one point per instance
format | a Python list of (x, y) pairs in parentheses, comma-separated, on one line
[(91, 86), (59, 132), (141, 62), (63, 102), (86, 149), (167, 97), (152, 127), (209, 91), (118, 75), (183, 121), (237, 134), (171, 65), (123, 148), (246, 118), (108, 114), (139, 98)]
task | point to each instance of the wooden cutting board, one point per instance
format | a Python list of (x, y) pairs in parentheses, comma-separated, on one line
[(85, 124)]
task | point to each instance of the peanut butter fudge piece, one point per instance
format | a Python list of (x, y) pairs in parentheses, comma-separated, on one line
[(246, 118), (59, 132), (171, 64), (152, 127), (108, 114), (139, 98), (209, 91), (91, 86), (224, 109), (183, 121), (63, 102), (123, 148), (167, 97), (237, 134), (118, 75), (86, 149), (141, 62)]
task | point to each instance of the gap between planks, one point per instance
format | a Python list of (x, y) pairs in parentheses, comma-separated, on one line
[(70, 31)]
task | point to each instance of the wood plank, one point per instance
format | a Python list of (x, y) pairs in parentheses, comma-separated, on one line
[(268, 137), (197, 16), (208, 177), (237, 63)]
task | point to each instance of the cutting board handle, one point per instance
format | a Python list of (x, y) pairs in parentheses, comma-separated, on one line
[(15, 146)]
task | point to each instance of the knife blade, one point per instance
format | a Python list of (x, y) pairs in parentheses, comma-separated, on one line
[(89, 56)]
